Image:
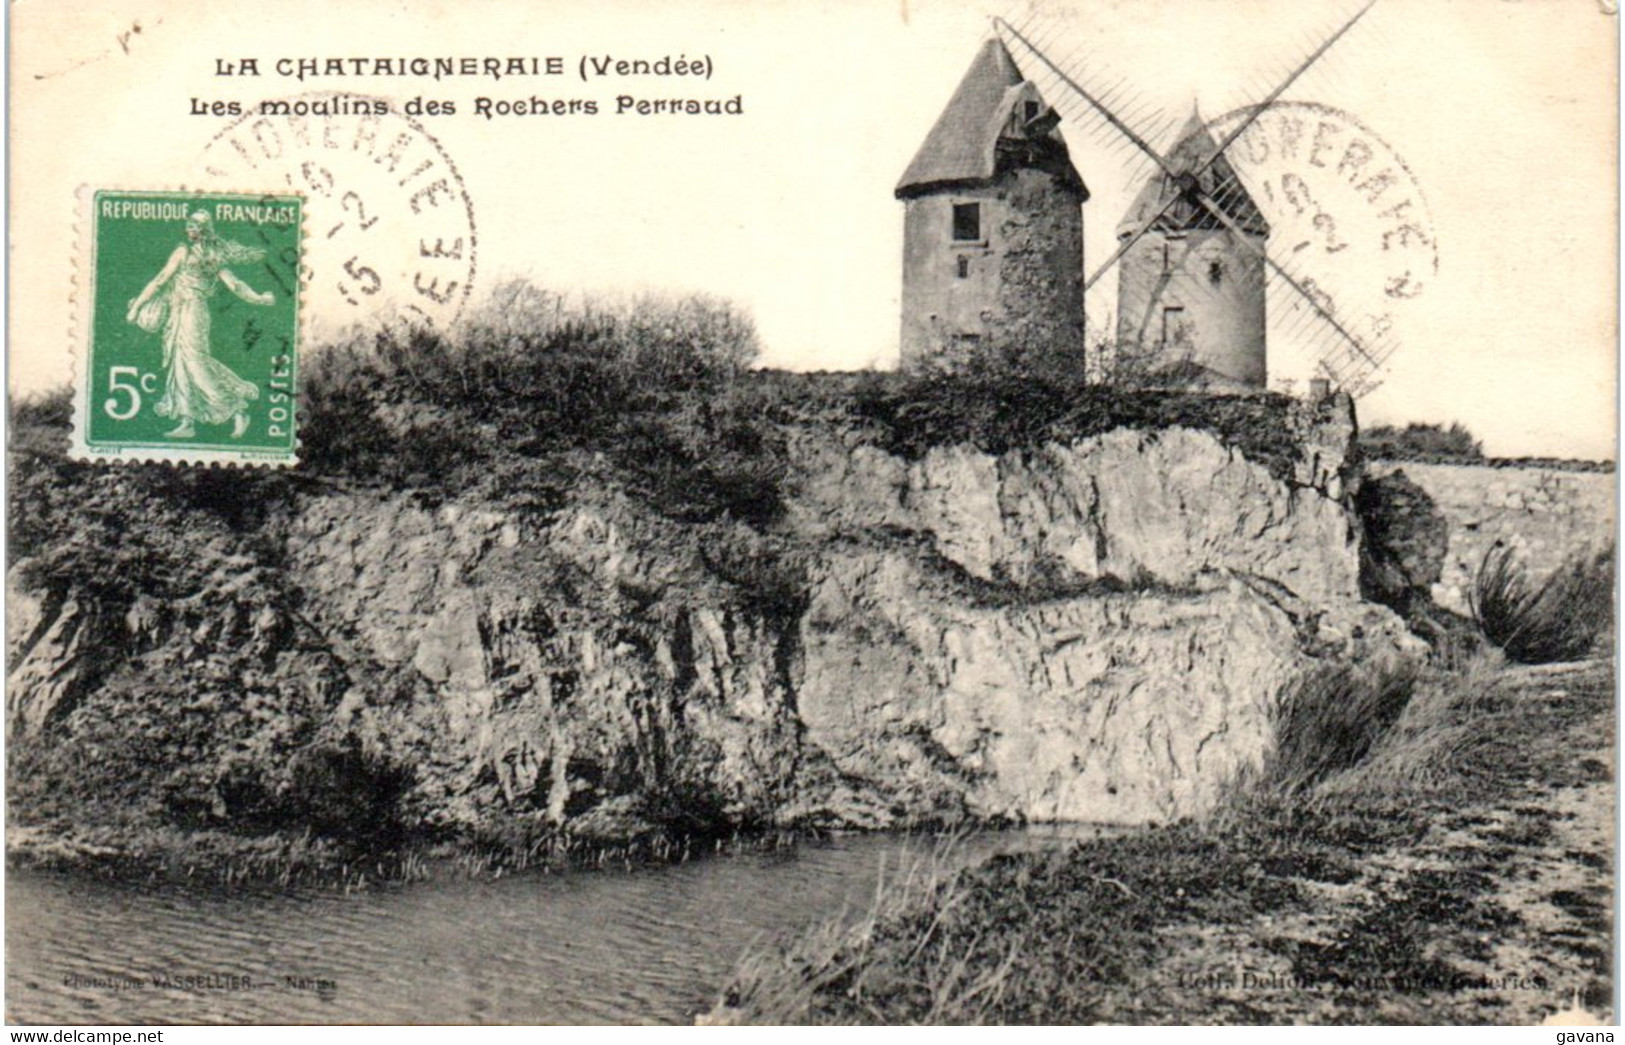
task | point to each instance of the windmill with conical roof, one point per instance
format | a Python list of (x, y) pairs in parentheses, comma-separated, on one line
[(1192, 222), (992, 226), (993, 236), (1190, 294)]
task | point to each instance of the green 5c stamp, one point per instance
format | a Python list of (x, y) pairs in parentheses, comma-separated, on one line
[(189, 327)]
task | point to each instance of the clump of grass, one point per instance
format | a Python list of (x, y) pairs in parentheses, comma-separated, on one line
[(1441, 738), (1331, 718), (900, 945), (1560, 619)]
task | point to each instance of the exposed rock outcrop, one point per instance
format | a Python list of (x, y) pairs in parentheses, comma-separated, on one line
[(1119, 707), (1091, 630), (1174, 505)]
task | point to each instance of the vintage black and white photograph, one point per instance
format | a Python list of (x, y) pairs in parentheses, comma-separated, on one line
[(889, 512)]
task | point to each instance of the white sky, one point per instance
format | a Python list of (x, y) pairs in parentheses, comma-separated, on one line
[(1506, 112)]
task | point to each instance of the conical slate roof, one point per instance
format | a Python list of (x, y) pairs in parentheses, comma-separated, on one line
[(963, 144), (1218, 182)]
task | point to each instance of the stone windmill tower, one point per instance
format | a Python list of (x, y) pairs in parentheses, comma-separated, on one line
[(1190, 291), (992, 226)]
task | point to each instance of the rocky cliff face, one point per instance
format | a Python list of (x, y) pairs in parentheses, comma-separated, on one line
[(1093, 631), (588, 671), (1172, 505)]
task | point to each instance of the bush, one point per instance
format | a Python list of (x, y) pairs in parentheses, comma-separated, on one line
[(1406, 538), (528, 374), (1330, 719), (1422, 442), (1563, 618), (644, 344), (113, 534), (703, 458), (53, 409)]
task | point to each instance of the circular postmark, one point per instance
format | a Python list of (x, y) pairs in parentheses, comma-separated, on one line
[(1348, 222), (390, 226)]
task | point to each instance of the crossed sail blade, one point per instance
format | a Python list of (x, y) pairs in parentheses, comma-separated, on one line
[(1185, 184)]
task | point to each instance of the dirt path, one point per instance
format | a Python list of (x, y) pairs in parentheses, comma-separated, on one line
[(1501, 912), (1463, 874)]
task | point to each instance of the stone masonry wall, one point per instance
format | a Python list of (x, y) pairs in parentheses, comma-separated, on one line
[(1546, 514), (1022, 283)]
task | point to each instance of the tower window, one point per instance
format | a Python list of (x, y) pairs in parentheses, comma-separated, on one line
[(964, 266), (1215, 272), (1029, 111), (967, 221)]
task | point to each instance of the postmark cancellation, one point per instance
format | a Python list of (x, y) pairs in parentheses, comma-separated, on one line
[(189, 322)]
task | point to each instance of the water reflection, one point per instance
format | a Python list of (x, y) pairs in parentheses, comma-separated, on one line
[(650, 945)]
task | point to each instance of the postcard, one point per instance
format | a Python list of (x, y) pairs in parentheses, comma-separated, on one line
[(902, 511)]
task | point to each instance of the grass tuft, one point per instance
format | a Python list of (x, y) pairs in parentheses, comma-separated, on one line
[(1563, 618), (944, 974), (1331, 718), (1441, 738)]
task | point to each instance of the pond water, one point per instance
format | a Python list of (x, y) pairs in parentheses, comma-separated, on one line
[(647, 945)]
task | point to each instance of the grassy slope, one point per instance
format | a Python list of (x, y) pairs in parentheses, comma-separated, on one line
[(1472, 844)]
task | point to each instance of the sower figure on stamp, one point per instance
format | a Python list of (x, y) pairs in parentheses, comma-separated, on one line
[(198, 386)]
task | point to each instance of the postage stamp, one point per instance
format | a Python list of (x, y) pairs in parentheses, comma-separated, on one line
[(189, 327)]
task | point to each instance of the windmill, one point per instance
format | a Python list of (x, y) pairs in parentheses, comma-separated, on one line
[(1194, 186)]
